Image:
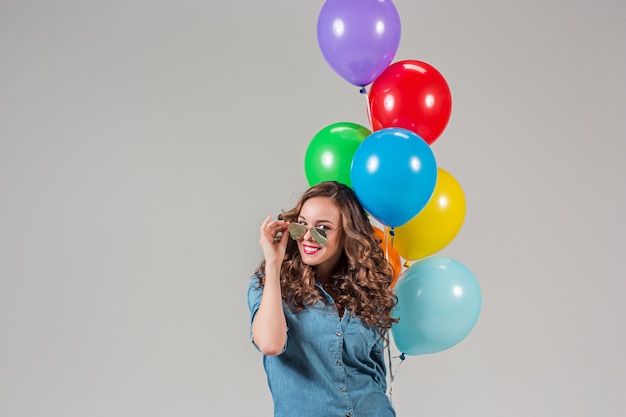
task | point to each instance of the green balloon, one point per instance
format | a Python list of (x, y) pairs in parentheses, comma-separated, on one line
[(329, 154)]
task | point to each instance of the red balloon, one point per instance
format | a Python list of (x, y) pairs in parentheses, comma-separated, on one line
[(412, 95)]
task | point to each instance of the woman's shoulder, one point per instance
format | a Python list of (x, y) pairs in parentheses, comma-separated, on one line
[(255, 290), (254, 282)]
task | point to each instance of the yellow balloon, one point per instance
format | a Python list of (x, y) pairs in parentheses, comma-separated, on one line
[(437, 224)]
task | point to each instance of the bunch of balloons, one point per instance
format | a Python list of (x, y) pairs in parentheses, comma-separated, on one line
[(393, 171)]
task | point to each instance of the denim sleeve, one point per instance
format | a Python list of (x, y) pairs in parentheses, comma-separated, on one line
[(254, 301)]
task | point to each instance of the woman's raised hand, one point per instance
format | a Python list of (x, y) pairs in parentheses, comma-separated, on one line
[(274, 238)]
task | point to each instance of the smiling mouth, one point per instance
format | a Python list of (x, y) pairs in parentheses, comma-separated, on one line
[(310, 250)]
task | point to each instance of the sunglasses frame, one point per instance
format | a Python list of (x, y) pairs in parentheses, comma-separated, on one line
[(298, 230)]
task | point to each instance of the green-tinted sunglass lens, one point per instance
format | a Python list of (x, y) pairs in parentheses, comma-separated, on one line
[(319, 235), (297, 230)]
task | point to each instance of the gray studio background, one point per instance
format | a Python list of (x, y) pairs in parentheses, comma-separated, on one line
[(143, 142)]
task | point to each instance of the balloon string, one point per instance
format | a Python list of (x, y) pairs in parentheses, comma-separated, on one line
[(367, 106), (392, 373), (386, 243), (389, 231)]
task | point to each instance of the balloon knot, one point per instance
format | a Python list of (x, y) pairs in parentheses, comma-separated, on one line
[(362, 90), (402, 357), (392, 232)]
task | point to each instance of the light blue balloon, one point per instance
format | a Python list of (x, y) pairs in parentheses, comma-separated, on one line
[(439, 301), (393, 174)]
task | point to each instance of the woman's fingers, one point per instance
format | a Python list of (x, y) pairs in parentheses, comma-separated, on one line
[(273, 231)]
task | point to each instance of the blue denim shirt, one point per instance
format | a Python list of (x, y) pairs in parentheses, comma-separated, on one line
[(330, 366)]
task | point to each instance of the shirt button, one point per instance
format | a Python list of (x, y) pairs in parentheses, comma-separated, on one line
[(338, 333), (348, 414), (343, 389), (338, 363)]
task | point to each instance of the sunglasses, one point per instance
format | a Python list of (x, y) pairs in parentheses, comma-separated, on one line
[(297, 230)]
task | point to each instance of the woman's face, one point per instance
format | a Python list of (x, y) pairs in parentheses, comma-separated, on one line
[(321, 212)]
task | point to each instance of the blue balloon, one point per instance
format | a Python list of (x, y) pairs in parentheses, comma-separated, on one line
[(439, 301), (393, 174)]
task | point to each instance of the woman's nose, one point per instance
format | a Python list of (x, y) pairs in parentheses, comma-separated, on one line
[(307, 235)]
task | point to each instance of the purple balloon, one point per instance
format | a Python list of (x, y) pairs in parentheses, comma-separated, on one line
[(358, 38)]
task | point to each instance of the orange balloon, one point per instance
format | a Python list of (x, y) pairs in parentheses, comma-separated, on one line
[(390, 253)]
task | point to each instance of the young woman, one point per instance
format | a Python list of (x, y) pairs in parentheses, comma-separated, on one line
[(320, 308)]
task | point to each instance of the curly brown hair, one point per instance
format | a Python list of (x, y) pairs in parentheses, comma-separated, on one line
[(363, 275)]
